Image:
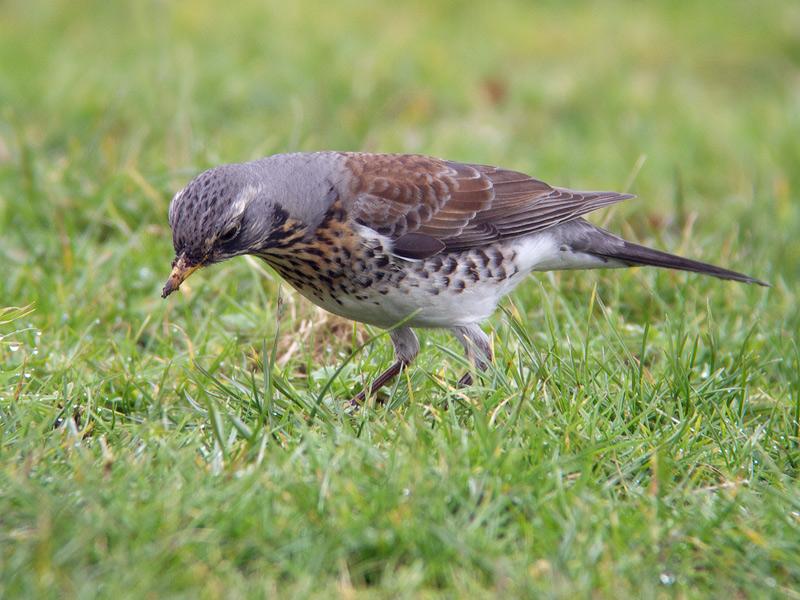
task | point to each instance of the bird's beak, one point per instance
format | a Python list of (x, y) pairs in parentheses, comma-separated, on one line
[(181, 269)]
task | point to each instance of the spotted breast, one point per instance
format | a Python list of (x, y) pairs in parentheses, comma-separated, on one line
[(352, 271)]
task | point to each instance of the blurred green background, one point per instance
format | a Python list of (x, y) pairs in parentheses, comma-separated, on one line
[(167, 481)]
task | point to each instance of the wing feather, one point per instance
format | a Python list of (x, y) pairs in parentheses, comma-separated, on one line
[(461, 205)]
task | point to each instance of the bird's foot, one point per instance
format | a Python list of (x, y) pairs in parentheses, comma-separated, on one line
[(358, 400)]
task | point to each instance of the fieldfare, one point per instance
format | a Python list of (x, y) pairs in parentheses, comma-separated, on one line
[(390, 238)]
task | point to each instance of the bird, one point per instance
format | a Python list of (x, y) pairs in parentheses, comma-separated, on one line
[(400, 241)]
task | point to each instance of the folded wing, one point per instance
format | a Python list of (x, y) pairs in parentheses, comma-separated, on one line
[(459, 205)]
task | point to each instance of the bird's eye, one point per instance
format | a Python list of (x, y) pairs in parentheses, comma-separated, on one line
[(229, 234)]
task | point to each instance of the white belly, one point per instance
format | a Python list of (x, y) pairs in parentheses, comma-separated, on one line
[(423, 308)]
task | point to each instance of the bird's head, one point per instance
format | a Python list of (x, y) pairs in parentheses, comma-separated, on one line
[(223, 212)]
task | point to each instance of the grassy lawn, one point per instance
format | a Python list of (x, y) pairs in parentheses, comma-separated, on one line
[(638, 434)]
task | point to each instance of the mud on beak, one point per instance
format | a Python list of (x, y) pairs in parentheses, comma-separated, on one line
[(181, 269)]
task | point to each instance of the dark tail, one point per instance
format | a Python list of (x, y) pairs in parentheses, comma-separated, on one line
[(636, 255)]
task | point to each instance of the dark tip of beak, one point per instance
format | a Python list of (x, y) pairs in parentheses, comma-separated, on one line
[(169, 288)]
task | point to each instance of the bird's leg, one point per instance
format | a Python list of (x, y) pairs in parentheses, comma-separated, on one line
[(406, 348), (477, 348)]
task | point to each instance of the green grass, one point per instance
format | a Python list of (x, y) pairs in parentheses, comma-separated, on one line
[(638, 434)]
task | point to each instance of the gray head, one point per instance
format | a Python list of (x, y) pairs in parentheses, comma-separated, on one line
[(233, 209), (223, 212)]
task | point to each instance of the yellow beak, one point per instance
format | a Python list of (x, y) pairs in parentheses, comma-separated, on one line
[(181, 269)]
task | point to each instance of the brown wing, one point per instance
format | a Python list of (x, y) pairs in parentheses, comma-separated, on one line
[(460, 205)]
